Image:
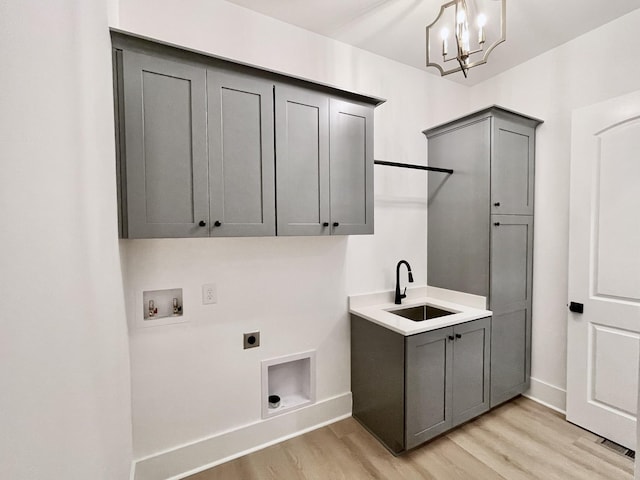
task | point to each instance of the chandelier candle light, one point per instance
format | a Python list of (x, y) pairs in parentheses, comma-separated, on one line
[(455, 16)]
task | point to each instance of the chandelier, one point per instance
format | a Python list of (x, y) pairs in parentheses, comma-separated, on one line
[(471, 25)]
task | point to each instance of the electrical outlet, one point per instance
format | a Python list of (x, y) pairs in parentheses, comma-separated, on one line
[(209, 294), (251, 340)]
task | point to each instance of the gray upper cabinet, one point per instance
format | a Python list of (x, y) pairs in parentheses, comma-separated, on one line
[(480, 229), (324, 150), (302, 143), (241, 156), (208, 147), (512, 166), (166, 171), (351, 159)]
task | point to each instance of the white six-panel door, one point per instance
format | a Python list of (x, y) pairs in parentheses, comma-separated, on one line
[(604, 269)]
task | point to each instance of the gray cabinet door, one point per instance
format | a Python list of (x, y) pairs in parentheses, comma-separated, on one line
[(241, 156), (458, 209), (166, 157), (428, 391), (471, 370), (512, 167), (510, 301), (302, 167), (351, 167)]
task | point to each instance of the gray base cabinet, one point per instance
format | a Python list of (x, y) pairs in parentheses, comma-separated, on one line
[(407, 390), (480, 229), (200, 139)]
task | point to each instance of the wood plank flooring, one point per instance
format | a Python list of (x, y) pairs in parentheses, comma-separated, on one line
[(520, 440)]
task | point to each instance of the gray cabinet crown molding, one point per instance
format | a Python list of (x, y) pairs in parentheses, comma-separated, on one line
[(122, 39)]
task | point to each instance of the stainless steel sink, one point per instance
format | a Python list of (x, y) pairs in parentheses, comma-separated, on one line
[(421, 313)]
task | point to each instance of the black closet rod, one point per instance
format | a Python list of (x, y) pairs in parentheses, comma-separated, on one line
[(416, 167)]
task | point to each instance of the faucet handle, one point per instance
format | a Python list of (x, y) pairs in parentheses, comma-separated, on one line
[(404, 293)]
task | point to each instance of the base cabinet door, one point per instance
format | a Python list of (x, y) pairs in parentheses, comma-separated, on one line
[(471, 370), (428, 393)]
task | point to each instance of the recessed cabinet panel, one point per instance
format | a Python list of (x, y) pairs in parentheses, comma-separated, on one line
[(165, 135), (168, 183), (241, 155), (351, 174), (512, 168), (302, 132)]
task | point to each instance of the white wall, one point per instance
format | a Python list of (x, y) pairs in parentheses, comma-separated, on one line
[(194, 380), (589, 69), (64, 367)]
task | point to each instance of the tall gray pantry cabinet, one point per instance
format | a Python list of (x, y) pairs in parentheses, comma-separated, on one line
[(209, 147), (480, 229)]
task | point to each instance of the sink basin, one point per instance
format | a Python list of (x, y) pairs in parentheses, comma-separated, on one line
[(421, 313)]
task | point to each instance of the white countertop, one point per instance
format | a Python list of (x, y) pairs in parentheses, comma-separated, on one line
[(377, 308)]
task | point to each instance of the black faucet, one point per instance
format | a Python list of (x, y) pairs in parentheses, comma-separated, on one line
[(400, 296)]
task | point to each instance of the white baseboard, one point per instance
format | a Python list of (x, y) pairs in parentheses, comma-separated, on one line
[(201, 455), (547, 395)]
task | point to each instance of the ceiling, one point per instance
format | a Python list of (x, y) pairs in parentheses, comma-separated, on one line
[(396, 28)]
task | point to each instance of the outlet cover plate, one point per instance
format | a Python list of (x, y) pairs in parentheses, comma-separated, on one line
[(209, 294)]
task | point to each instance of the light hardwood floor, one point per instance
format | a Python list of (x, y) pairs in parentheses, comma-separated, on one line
[(520, 440)]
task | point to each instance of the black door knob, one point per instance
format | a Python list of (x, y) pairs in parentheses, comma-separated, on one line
[(497, 224), (336, 224), (458, 335), (497, 204), (217, 223), (576, 307), (450, 338), (202, 223), (325, 224)]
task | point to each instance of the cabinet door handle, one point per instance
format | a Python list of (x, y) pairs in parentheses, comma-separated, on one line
[(450, 338), (202, 223), (336, 224), (458, 335), (496, 224), (497, 204), (217, 223), (325, 224)]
